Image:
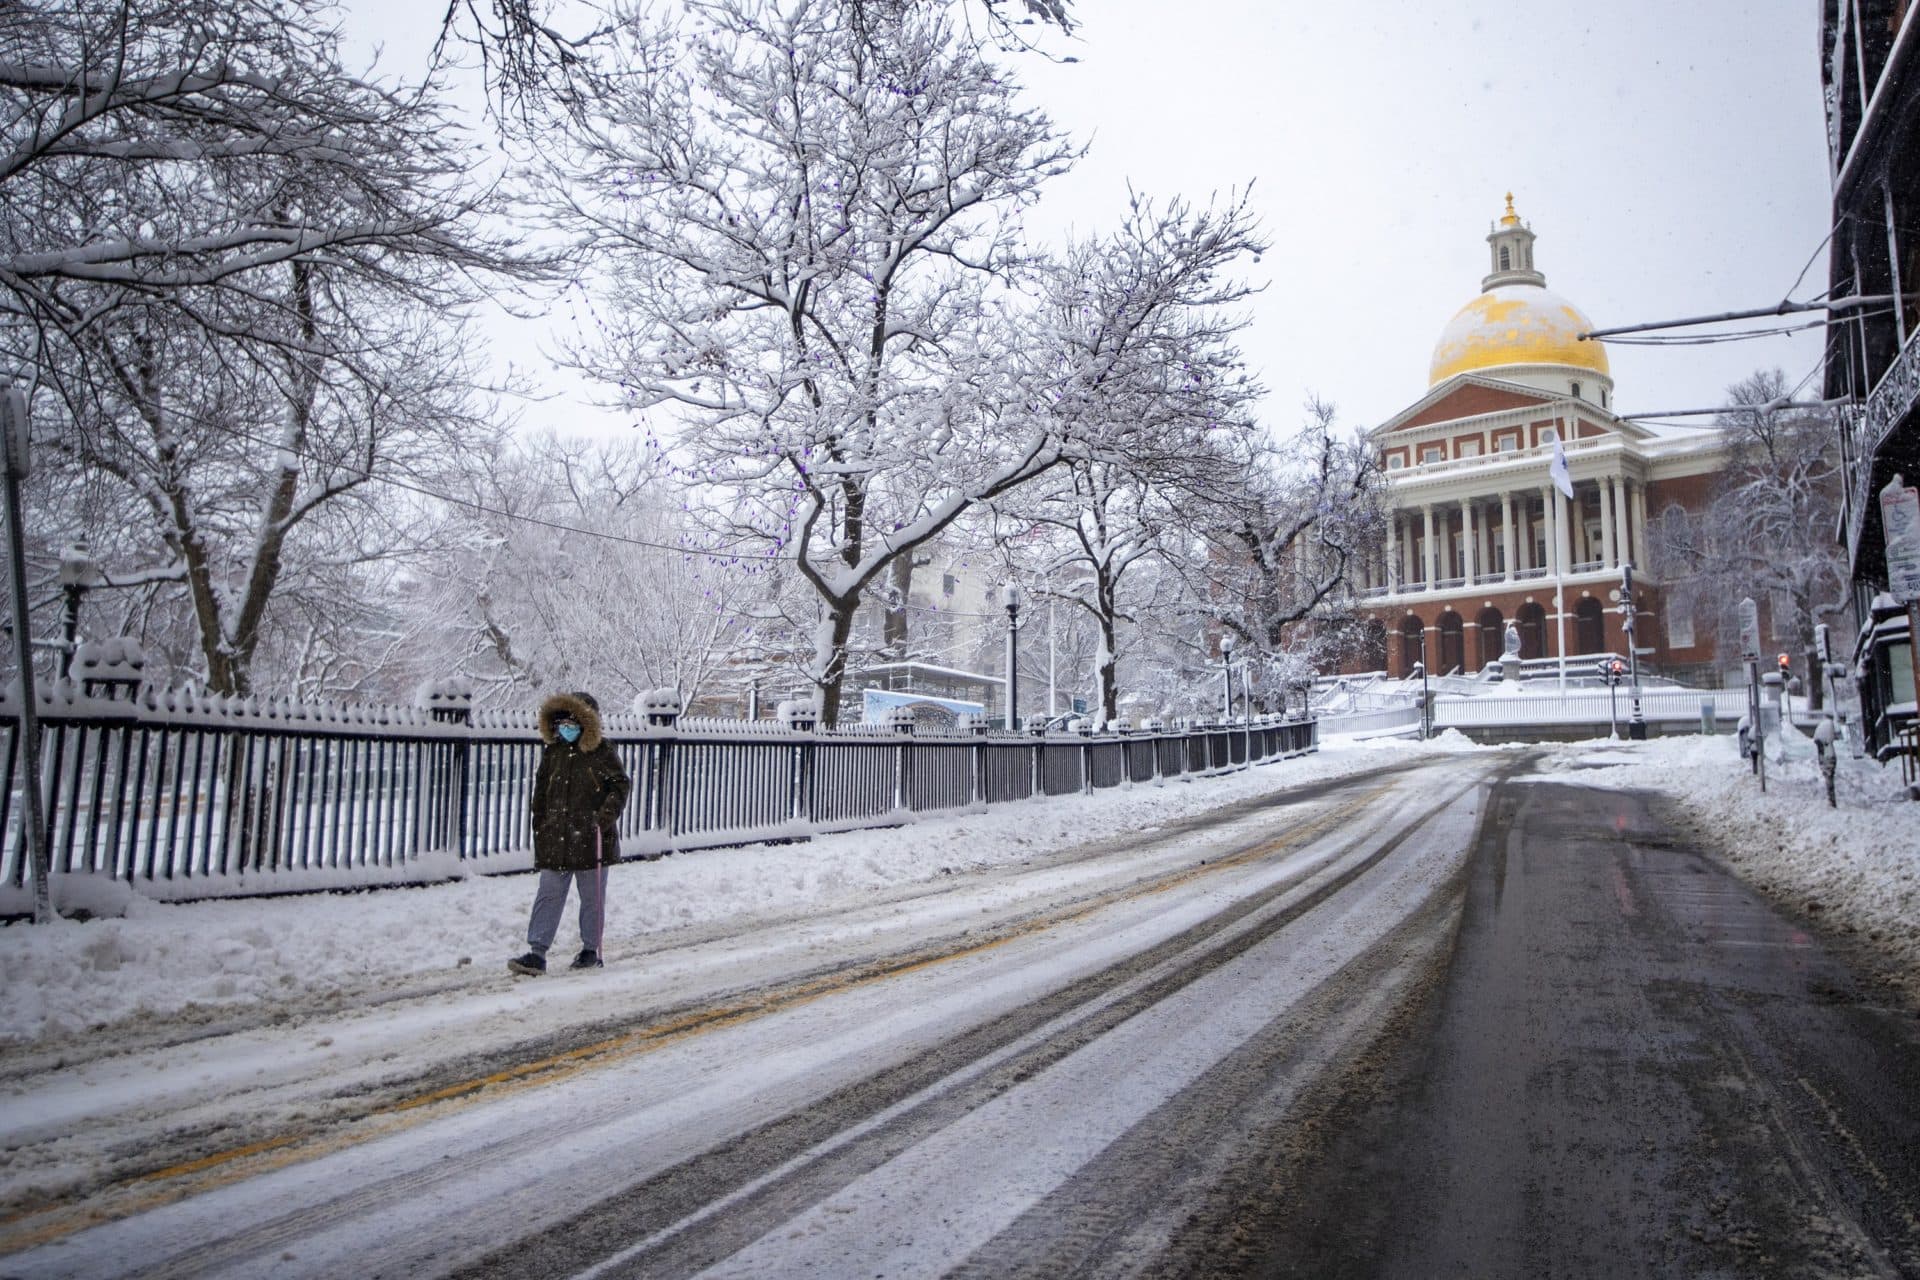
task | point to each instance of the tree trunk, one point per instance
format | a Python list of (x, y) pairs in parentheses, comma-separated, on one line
[(831, 680)]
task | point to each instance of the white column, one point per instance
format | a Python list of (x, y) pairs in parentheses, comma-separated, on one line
[(1620, 524), (1606, 522), (1483, 546), (1467, 536), (1563, 540), (1640, 525), (1432, 568), (1392, 549), (1506, 533)]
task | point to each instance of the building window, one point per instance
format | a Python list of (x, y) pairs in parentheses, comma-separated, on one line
[(1505, 444), (1576, 389), (1548, 435), (1780, 605), (1680, 621), (1603, 397), (1466, 448), (1395, 461), (1506, 260), (1432, 453)]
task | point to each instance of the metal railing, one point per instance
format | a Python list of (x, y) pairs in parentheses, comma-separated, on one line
[(185, 796)]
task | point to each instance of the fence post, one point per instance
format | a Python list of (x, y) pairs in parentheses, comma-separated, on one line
[(801, 717), (1085, 728), (1039, 755), (447, 789), (660, 708), (977, 727), (900, 721)]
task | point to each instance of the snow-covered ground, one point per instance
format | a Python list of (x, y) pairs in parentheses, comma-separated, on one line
[(1857, 866)]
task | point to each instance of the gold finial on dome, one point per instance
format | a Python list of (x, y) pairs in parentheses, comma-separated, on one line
[(1511, 219)]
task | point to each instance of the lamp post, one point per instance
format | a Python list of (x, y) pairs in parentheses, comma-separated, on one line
[(1636, 724), (1426, 700), (77, 573), (1010, 595), (1226, 678)]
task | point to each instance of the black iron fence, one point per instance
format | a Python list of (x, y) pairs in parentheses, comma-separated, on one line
[(185, 796)]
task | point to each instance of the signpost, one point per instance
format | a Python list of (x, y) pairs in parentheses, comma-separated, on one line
[(1750, 655)]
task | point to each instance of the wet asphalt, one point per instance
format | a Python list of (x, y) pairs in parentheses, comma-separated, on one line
[(1632, 1064)]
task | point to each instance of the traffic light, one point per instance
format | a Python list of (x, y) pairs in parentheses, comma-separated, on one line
[(1615, 670), (1786, 667)]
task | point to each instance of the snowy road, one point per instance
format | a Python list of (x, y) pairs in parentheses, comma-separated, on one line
[(1008, 1071)]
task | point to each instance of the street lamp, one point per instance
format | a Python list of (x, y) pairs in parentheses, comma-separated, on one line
[(1426, 699), (1226, 678), (77, 573), (1010, 594)]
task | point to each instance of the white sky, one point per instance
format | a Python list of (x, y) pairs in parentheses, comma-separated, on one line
[(1671, 159)]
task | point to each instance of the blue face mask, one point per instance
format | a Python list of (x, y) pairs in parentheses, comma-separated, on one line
[(569, 731)]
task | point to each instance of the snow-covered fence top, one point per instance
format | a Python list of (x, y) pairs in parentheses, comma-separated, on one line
[(1533, 704), (184, 795)]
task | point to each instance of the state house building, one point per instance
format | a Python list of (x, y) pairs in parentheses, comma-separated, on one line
[(1480, 535)]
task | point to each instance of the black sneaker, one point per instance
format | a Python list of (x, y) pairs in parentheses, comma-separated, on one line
[(588, 959), (532, 962)]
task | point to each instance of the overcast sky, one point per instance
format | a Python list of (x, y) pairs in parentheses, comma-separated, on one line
[(1670, 157)]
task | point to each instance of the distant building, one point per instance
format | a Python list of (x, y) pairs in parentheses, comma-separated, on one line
[(1870, 67), (1479, 534)]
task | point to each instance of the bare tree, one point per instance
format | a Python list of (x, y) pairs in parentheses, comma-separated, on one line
[(567, 567), (813, 233), (230, 271), (1768, 531), (1283, 550)]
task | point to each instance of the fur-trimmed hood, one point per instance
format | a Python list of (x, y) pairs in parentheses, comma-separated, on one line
[(581, 707)]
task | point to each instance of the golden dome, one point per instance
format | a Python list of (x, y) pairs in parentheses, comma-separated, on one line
[(1515, 324)]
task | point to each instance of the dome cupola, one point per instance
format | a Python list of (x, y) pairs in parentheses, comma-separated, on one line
[(1519, 330)]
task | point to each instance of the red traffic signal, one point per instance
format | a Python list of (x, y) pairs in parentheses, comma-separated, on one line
[(1786, 664)]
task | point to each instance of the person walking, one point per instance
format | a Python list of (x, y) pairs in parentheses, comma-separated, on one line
[(578, 793)]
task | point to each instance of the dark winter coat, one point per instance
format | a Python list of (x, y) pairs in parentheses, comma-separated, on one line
[(578, 791)]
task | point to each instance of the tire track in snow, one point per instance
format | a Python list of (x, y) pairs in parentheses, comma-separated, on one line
[(697, 1214)]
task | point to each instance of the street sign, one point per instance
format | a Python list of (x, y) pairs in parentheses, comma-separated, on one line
[(1749, 628), (1900, 524)]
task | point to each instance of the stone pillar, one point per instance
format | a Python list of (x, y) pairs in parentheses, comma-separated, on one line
[(1427, 550), (1608, 551), (1506, 533)]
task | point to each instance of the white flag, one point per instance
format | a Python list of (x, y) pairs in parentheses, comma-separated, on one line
[(1558, 471)]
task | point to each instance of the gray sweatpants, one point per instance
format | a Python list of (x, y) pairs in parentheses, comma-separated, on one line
[(550, 900)]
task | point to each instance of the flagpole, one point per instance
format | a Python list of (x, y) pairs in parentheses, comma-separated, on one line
[(1563, 484)]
